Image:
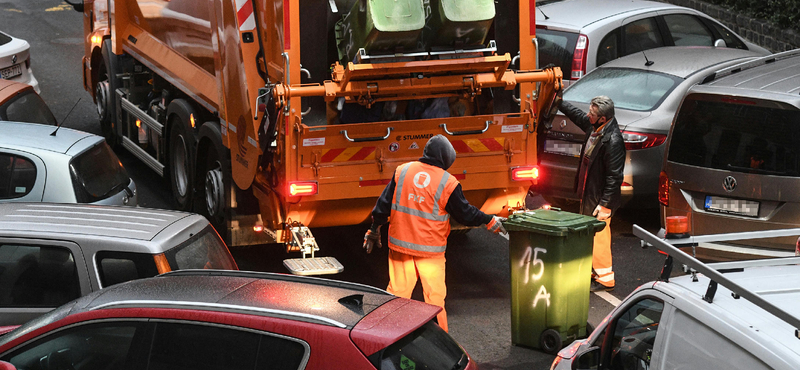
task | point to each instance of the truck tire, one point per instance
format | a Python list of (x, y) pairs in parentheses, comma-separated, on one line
[(104, 89), (181, 163), (213, 176)]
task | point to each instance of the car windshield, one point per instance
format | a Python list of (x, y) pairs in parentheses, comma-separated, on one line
[(737, 136), (556, 47), (206, 250), (428, 347), (29, 107), (97, 174), (629, 88)]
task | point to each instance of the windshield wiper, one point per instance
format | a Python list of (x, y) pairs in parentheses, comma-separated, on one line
[(458, 365), (756, 170)]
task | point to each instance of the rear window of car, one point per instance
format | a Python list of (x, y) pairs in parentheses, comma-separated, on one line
[(4, 39), (556, 47), (428, 347), (737, 136), (206, 250), (628, 88), (28, 107), (97, 174), (119, 267)]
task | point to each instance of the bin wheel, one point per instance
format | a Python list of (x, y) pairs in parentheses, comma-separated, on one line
[(550, 341)]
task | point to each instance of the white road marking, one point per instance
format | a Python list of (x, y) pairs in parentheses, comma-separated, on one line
[(609, 298)]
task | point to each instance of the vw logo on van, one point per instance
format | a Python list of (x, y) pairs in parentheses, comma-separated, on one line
[(729, 184)]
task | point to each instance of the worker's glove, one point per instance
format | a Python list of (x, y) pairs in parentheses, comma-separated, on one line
[(496, 225), (602, 213), (371, 239)]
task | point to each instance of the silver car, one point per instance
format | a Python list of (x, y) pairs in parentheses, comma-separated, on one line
[(41, 164), (579, 35), (733, 158), (646, 89)]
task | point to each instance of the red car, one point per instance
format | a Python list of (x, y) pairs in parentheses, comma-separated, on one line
[(213, 319)]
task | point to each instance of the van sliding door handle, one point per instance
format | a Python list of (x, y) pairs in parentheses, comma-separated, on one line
[(360, 139)]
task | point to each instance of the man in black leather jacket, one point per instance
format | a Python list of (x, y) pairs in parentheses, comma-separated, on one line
[(600, 178)]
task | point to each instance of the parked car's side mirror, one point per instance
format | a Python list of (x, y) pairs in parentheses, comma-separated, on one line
[(587, 360), (78, 6), (7, 366), (720, 43)]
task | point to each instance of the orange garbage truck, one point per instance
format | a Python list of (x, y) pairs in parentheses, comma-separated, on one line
[(273, 116)]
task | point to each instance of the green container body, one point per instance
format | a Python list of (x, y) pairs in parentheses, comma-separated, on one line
[(458, 23), (380, 26), (551, 267)]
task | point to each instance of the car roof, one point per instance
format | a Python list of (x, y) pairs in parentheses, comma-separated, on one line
[(680, 61), (10, 89), (564, 14), (21, 135), (777, 73), (778, 285), (83, 219), (300, 298)]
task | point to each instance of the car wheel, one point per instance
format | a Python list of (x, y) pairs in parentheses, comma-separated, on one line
[(180, 164), (550, 341)]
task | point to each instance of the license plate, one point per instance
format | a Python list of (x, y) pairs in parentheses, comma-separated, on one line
[(739, 207), (563, 148), (11, 72)]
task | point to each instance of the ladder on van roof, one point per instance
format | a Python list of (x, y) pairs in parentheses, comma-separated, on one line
[(715, 271)]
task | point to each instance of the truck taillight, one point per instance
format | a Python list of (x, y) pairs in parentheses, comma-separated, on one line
[(297, 189), (579, 57), (525, 173), (663, 189), (640, 140)]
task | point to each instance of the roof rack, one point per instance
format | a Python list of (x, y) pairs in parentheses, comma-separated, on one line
[(715, 271), (751, 64), (279, 277)]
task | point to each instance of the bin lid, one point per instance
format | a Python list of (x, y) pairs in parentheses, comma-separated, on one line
[(467, 10), (396, 15), (553, 222)]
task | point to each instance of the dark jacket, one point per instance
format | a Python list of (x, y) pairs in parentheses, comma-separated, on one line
[(604, 170), (440, 153)]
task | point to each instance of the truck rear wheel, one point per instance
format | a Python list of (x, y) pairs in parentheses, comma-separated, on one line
[(213, 164), (181, 146), (103, 94)]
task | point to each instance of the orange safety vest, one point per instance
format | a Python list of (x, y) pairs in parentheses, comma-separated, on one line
[(419, 223)]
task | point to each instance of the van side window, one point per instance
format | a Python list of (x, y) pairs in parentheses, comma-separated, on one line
[(37, 276), (730, 40), (634, 335), (689, 343), (608, 49), (119, 267), (642, 35), (17, 176), (687, 30)]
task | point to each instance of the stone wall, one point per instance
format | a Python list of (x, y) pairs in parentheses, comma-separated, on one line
[(755, 30)]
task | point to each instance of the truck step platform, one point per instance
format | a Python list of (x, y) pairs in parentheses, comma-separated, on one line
[(313, 266)]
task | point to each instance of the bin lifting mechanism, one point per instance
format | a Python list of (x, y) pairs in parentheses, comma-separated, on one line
[(302, 240)]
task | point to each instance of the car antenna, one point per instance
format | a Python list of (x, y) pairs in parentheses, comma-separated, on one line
[(65, 118), (648, 62), (542, 11)]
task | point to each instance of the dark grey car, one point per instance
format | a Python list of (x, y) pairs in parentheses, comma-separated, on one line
[(646, 90), (733, 157)]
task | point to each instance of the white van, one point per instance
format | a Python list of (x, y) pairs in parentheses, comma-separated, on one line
[(734, 315)]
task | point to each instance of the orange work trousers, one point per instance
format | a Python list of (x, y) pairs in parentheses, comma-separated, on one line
[(403, 272), (601, 256)]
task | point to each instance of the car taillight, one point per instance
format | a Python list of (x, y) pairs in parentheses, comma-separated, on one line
[(579, 57), (640, 140), (162, 265), (525, 173), (297, 189), (663, 189)]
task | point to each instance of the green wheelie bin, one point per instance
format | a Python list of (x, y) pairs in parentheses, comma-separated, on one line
[(551, 265)]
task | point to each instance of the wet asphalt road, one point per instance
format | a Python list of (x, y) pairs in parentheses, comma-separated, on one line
[(478, 301)]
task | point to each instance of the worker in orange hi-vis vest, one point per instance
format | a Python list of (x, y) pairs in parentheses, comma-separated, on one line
[(420, 200)]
